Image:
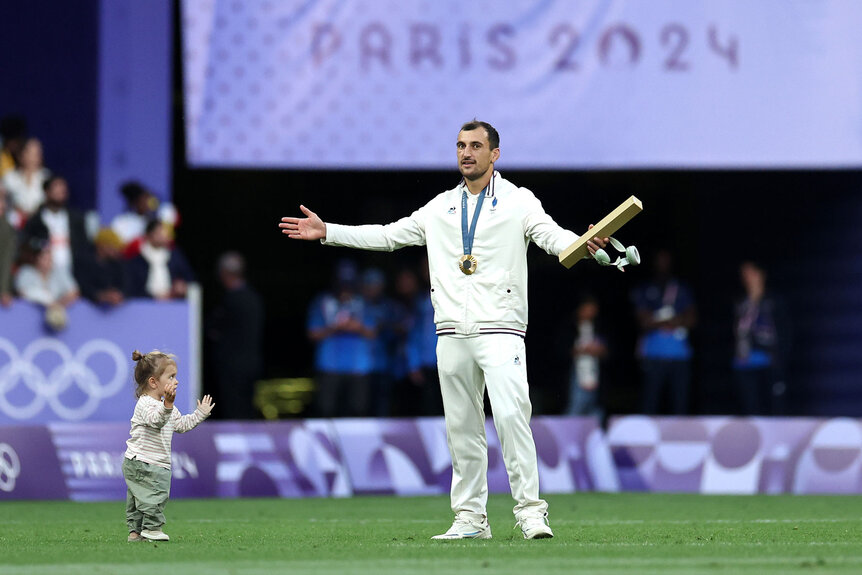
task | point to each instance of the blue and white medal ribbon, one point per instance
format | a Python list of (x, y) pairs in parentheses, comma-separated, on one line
[(468, 262)]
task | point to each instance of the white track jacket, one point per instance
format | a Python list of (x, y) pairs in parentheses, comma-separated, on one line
[(494, 298)]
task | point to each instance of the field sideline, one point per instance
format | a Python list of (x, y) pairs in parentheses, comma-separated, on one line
[(595, 533)]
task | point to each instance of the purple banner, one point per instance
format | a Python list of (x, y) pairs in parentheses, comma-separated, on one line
[(573, 455), (320, 458), (91, 458), (329, 84), (341, 458), (29, 467), (85, 372), (291, 459), (742, 456)]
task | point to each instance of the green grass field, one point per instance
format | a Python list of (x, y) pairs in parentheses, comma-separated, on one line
[(595, 533)]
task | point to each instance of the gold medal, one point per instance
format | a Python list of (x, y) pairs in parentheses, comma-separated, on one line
[(467, 263)]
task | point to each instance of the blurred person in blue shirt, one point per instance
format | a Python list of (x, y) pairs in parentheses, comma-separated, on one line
[(343, 328), (422, 353), (406, 287), (761, 338), (666, 313), (386, 316)]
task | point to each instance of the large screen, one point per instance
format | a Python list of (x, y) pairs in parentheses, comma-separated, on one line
[(586, 84)]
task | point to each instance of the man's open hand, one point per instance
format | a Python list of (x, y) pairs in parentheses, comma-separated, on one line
[(308, 228)]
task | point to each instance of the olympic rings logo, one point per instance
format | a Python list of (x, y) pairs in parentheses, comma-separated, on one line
[(10, 467), (47, 388)]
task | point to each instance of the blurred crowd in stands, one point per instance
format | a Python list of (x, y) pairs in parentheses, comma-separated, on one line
[(375, 343), (52, 254), (665, 312), (375, 354)]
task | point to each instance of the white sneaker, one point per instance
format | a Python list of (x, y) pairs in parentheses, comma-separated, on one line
[(466, 527), (155, 535), (535, 526)]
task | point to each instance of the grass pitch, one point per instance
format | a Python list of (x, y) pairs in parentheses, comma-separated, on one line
[(633, 534)]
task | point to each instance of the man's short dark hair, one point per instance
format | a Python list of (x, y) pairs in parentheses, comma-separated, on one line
[(493, 136), (132, 190), (49, 181)]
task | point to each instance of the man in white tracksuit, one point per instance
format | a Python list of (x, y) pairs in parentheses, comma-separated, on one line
[(476, 236)]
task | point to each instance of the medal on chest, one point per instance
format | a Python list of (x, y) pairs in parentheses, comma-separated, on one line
[(468, 262)]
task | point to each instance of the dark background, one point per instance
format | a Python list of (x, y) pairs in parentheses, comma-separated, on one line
[(49, 75), (804, 226)]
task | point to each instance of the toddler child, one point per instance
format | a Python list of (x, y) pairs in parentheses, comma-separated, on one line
[(147, 462)]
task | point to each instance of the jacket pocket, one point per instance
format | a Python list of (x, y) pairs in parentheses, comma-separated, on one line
[(510, 293), (434, 296)]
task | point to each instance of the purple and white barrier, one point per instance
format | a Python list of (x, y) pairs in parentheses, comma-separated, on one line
[(311, 458), (341, 458), (733, 455)]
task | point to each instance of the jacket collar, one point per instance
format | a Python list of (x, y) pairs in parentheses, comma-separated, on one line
[(489, 190)]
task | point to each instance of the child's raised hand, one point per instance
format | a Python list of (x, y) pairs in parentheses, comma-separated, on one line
[(206, 405), (170, 394)]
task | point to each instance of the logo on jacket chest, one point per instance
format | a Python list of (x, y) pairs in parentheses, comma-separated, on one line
[(493, 208)]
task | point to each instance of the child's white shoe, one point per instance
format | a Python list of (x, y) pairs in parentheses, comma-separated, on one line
[(155, 535)]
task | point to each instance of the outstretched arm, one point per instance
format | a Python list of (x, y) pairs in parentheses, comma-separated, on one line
[(407, 231), (308, 228)]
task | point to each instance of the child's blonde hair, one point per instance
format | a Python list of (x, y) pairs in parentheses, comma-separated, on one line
[(149, 365)]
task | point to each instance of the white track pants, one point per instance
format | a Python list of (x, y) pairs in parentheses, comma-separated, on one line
[(466, 367)]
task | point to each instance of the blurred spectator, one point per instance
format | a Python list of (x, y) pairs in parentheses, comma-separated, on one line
[(588, 349), (102, 275), (385, 316), (8, 212), (26, 183), (406, 289), (39, 281), (8, 249), (340, 324), (160, 271), (63, 227), (235, 331), (761, 336), (422, 352), (665, 312), (13, 133), (406, 286), (142, 206)]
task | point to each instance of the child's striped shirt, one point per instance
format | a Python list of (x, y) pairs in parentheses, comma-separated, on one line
[(153, 426)]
